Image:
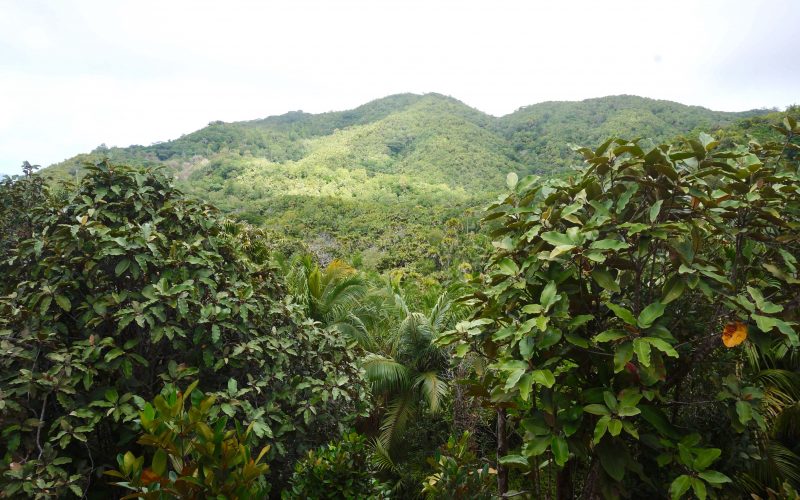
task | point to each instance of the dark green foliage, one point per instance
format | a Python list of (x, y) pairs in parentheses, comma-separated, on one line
[(542, 134), (458, 475), (196, 454), (22, 197), (128, 285), (608, 299), (342, 469)]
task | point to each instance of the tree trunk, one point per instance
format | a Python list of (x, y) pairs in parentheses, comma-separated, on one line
[(502, 450), (590, 485), (564, 483)]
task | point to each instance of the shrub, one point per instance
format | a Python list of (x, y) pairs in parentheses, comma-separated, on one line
[(196, 454), (613, 305), (339, 470), (457, 474), (129, 284)]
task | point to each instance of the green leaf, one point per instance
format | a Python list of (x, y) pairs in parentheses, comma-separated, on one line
[(672, 290), (680, 486), (611, 401), (622, 313), (714, 477), (560, 450), (699, 488), (600, 428), (744, 411), (514, 460), (662, 345), (655, 210), (113, 354), (623, 354), (609, 335), (764, 305), (63, 302), (614, 427), (557, 239), (609, 244), (613, 457), (605, 279), (508, 267), (650, 314), (549, 296), (705, 457), (543, 377), (642, 350), (596, 409), (122, 266), (160, 462)]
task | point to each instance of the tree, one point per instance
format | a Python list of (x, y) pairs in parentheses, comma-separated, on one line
[(127, 285), (614, 303), (403, 365)]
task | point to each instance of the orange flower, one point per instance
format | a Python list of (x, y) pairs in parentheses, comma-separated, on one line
[(734, 334)]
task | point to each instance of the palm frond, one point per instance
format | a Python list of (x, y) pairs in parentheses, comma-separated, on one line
[(385, 374), (397, 415), (432, 388), (381, 457)]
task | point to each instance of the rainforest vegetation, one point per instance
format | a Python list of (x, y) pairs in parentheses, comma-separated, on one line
[(411, 299)]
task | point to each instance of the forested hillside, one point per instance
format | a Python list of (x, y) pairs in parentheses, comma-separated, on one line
[(391, 183)]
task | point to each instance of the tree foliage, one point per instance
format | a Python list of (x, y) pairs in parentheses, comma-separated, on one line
[(196, 454), (128, 285), (602, 313)]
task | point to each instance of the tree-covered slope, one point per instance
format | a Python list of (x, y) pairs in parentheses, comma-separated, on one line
[(541, 134), (386, 180)]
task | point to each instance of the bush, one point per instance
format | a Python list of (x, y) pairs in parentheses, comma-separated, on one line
[(339, 470), (127, 285), (196, 454), (612, 308), (457, 474)]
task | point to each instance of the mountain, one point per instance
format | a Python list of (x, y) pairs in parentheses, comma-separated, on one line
[(392, 182)]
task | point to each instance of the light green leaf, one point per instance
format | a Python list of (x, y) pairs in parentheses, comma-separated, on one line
[(609, 335), (699, 488), (614, 427), (642, 350), (655, 210), (661, 345), (560, 450), (544, 377), (596, 409), (63, 302), (508, 267), (622, 313), (622, 356), (714, 477), (650, 314), (609, 244), (549, 296), (680, 486)]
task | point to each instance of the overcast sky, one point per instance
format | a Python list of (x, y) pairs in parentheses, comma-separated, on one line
[(76, 74)]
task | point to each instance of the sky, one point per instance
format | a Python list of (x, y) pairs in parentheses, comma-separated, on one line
[(77, 74)]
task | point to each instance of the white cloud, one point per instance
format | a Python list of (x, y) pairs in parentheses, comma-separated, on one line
[(77, 74)]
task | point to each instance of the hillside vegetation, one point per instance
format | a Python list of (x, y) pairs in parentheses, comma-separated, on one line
[(386, 184)]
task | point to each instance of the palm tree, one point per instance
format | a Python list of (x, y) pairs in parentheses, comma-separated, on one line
[(331, 296), (778, 368), (406, 370)]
